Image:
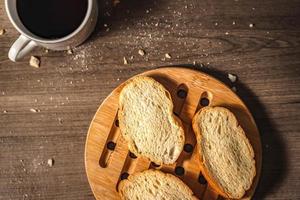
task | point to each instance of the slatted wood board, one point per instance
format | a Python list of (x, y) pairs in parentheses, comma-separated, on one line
[(108, 160)]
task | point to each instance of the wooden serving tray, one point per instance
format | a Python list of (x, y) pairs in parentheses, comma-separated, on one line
[(108, 160)]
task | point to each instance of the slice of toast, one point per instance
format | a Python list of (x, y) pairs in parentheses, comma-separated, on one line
[(147, 121), (153, 185), (226, 156)]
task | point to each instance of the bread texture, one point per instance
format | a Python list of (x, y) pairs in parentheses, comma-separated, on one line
[(227, 157), (154, 185), (147, 121)]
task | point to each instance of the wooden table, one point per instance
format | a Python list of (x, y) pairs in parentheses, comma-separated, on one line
[(212, 36)]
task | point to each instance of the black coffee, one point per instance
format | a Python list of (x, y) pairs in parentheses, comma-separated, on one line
[(52, 19)]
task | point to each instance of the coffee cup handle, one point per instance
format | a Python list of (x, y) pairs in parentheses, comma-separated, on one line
[(20, 48)]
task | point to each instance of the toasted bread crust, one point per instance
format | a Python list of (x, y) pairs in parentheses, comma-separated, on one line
[(125, 130), (207, 173), (171, 179)]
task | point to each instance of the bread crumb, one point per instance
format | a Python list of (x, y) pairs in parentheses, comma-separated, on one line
[(233, 23), (232, 77), (46, 50), (2, 31), (216, 24), (141, 52), (60, 121), (125, 61), (34, 62), (70, 51), (226, 33), (233, 89), (251, 25), (4, 111), (50, 162), (34, 110), (167, 55)]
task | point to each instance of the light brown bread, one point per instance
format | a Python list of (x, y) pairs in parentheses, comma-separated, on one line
[(154, 185), (147, 121), (227, 158)]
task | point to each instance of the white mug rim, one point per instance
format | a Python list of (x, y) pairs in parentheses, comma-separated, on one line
[(45, 40)]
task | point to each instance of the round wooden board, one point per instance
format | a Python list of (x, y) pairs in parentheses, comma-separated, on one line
[(107, 158)]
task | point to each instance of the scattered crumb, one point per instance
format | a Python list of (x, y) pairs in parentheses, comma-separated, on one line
[(34, 62), (226, 33), (105, 25), (46, 50), (34, 110), (2, 31), (167, 55), (233, 89), (70, 51), (141, 52), (232, 77), (216, 24), (125, 61), (4, 111), (251, 25), (60, 121), (194, 63), (50, 162), (233, 23)]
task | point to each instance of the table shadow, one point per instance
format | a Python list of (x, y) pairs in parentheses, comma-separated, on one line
[(121, 14), (274, 158)]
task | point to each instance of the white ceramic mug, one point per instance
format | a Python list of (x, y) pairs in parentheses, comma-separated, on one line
[(27, 40)]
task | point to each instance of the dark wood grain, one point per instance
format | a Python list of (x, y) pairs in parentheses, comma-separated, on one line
[(67, 89)]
